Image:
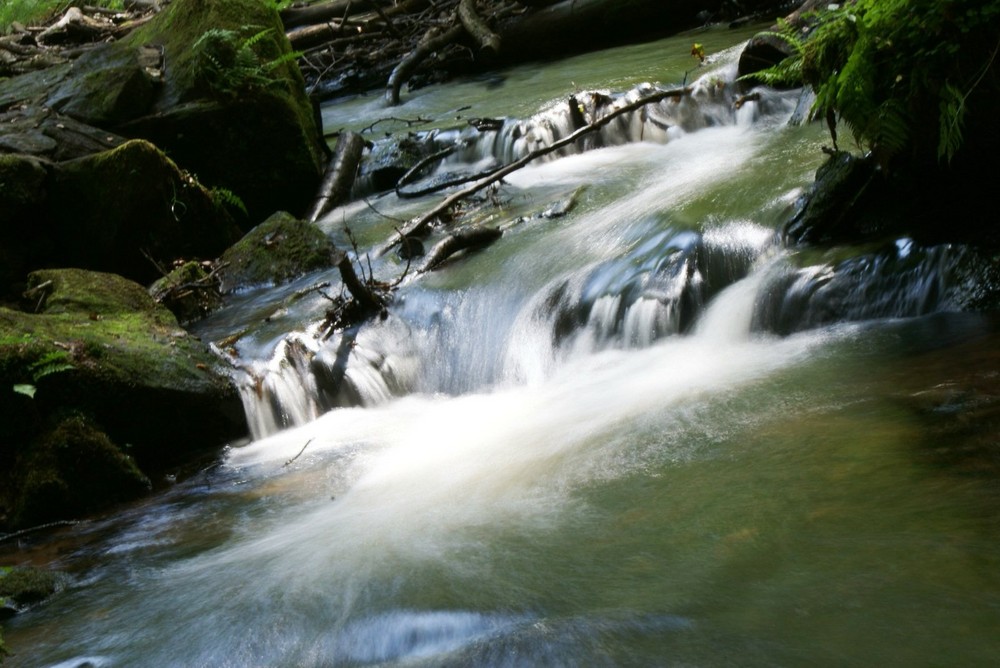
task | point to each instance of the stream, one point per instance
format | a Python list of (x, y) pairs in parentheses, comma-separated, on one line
[(637, 430)]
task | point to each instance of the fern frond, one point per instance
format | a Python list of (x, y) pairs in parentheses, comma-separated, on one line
[(952, 115)]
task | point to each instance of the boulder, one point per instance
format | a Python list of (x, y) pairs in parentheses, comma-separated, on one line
[(99, 349), (23, 585), (213, 84), (279, 249)]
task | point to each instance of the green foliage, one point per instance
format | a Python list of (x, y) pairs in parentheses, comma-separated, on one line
[(227, 198), (237, 60), (897, 73)]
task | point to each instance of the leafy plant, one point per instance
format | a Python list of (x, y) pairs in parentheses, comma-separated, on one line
[(227, 198), (52, 362), (897, 73), (236, 60)]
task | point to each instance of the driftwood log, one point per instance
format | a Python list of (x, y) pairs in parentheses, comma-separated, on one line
[(432, 40), (469, 238), (340, 173)]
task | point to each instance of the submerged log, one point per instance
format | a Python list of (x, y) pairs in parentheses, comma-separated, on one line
[(340, 173), (471, 238)]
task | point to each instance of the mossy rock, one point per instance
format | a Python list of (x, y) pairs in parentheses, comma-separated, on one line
[(24, 585), (277, 250), (71, 471), (113, 209), (135, 372)]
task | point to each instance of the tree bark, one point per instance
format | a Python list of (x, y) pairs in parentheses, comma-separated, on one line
[(489, 42), (340, 173)]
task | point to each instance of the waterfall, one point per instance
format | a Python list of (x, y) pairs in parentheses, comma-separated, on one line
[(657, 286)]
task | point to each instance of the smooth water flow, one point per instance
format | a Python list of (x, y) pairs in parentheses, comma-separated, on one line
[(641, 432)]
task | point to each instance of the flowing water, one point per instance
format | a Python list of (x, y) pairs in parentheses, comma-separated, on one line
[(640, 433)]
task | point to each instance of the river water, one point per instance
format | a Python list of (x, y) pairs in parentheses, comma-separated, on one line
[(640, 433)]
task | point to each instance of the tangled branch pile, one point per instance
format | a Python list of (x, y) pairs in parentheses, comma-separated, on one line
[(348, 45)]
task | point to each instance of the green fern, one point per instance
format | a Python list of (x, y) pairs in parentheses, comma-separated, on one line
[(227, 198), (52, 362), (895, 72), (235, 63)]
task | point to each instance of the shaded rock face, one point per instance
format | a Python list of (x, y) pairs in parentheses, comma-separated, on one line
[(127, 378), (249, 128), (112, 211)]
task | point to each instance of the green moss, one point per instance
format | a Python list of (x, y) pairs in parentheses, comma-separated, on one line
[(115, 332), (280, 248), (180, 26)]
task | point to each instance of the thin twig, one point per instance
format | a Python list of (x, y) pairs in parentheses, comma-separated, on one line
[(298, 455)]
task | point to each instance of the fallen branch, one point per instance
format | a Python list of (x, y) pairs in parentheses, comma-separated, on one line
[(470, 238), (298, 455), (419, 226), (432, 40), (340, 173)]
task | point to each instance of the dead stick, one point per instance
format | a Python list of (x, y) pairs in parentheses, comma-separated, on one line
[(300, 452)]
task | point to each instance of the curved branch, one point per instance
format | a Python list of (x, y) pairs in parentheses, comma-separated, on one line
[(432, 40)]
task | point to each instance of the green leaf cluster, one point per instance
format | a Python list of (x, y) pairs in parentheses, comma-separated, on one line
[(236, 61), (898, 73), (46, 364)]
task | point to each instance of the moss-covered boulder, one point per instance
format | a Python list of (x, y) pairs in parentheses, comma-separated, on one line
[(23, 585), (232, 108), (100, 347), (72, 469), (279, 249), (117, 209), (214, 84)]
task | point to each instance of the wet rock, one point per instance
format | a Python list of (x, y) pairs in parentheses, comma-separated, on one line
[(277, 250), (830, 212), (242, 123), (24, 585), (109, 86), (72, 470), (113, 211)]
